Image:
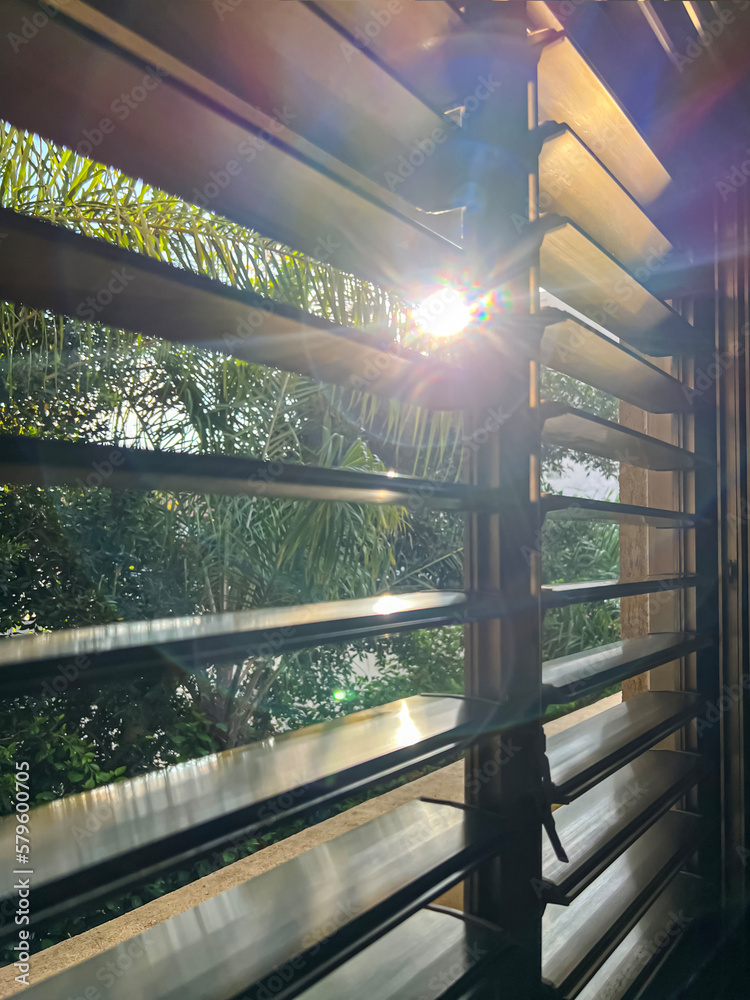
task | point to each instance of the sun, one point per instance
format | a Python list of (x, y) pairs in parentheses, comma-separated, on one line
[(443, 314)]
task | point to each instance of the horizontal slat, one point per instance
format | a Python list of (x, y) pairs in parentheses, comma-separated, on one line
[(44, 462), (576, 939), (580, 431), (560, 595), (427, 43), (600, 825), (649, 943), (586, 753), (285, 928), (572, 92), (188, 131), (95, 840), (293, 65), (408, 40), (574, 183), (48, 267), (580, 674), (580, 273), (564, 508), (430, 955), (138, 648), (574, 348)]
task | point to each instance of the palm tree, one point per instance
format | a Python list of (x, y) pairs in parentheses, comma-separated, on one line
[(72, 379), (67, 378)]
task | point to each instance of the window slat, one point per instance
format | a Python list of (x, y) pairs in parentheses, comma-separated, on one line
[(580, 674), (139, 648), (650, 943), (580, 431), (600, 825), (574, 348), (432, 954), (48, 267), (577, 271), (572, 92), (97, 841), (577, 939), (186, 136), (560, 595), (574, 183), (49, 462), (566, 508), (586, 753), (301, 918)]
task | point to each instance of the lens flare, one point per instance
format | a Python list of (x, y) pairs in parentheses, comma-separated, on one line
[(445, 313)]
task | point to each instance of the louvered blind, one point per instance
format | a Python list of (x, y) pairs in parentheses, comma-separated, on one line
[(574, 853)]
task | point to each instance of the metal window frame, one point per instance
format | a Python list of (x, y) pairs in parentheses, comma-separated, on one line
[(504, 598)]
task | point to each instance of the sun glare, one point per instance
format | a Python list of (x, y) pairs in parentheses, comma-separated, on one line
[(443, 314), (388, 605)]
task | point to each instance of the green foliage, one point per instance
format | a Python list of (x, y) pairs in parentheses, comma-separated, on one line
[(338, 680), (52, 182), (428, 553), (92, 735), (574, 552), (61, 761), (78, 556), (565, 389), (422, 662)]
